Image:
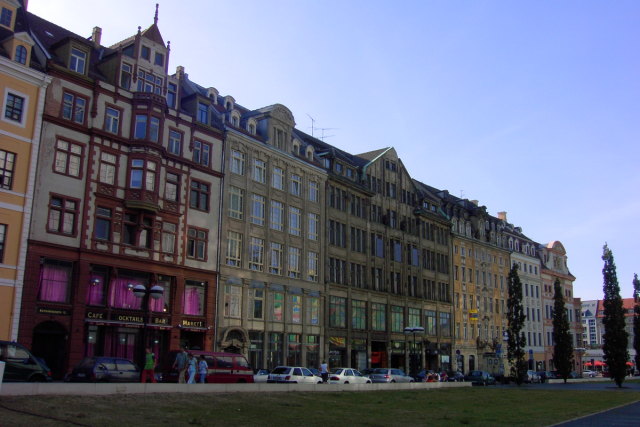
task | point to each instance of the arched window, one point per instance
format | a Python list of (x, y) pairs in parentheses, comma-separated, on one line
[(511, 243), (21, 54)]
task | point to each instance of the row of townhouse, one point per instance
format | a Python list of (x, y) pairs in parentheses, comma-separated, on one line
[(146, 210)]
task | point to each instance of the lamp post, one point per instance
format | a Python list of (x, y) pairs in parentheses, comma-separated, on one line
[(414, 363), (140, 291)]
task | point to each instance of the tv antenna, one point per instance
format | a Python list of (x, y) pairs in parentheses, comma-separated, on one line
[(322, 130)]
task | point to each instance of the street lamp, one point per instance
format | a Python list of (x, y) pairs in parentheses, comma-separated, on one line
[(414, 363), (140, 291)]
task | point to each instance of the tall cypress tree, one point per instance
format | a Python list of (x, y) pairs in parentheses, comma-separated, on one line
[(515, 319), (563, 341), (615, 337), (636, 318)]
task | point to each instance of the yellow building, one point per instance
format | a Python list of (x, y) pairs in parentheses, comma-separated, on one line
[(22, 89)]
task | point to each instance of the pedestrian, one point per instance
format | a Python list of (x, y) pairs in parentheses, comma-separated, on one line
[(149, 366), (191, 369), (202, 369), (180, 364), (324, 371)]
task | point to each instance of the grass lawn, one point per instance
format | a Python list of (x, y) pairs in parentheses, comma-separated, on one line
[(468, 406)]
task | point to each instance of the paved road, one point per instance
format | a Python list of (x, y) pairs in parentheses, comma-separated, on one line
[(628, 415)]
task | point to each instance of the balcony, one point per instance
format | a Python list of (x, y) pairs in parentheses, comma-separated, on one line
[(142, 199)]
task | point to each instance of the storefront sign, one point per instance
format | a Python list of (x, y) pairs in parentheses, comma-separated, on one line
[(337, 342), (127, 318), (159, 321), (96, 315), (192, 323), (473, 316), (56, 311)]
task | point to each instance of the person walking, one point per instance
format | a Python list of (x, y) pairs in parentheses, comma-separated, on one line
[(324, 371), (202, 369), (180, 364), (149, 367), (191, 369)]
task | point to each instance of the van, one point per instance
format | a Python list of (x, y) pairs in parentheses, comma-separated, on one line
[(222, 367), (21, 365)]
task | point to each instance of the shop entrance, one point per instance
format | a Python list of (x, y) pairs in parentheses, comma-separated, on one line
[(50, 344)]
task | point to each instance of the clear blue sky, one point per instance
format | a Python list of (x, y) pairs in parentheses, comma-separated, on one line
[(530, 107)]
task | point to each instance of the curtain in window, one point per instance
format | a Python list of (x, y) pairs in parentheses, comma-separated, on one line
[(157, 305), (126, 346), (95, 290), (191, 304), (121, 295), (54, 280)]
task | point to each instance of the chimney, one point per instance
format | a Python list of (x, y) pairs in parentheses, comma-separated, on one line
[(96, 36), (503, 216), (475, 202), (179, 72)]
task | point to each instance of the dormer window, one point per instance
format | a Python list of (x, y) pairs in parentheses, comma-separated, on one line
[(78, 60), (5, 17), (296, 148), (203, 113), (252, 128), (309, 153), (172, 95), (21, 54), (125, 76), (145, 53), (338, 168), (235, 119), (147, 82), (159, 59)]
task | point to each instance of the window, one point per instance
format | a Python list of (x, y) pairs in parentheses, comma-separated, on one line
[(276, 221), (107, 168), (159, 59), (146, 128), (68, 158), (430, 322), (7, 164), (232, 301), (102, 230), (193, 299), (296, 312), (259, 171), (203, 113), (234, 249), (5, 17), (277, 307), (295, 185), (54, 282), (169, 237), (175, 142), (236, 202), (197, 243), (256, 304), (293, 263), (171, 186), (257, 209), (358, 314), (237, 162), (146, 52), (414, 317), (256, 254), (312, 266), (314, 221), (77, 60), (275, 258), (137, 230), (3, 240), (142, 174), (14, 107), (378, 317), (277, 178), (397, 319), (62, 215), (112, 120), (172, 95), (73, 107), (445, 324), (295, 218), (21, 54), (314, 191), (337, 312), (125, 76), (201, 153), (199, 197)]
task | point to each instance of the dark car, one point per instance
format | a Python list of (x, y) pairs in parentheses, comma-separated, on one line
[(480, 378), (105, 369), (21, 365), (455, 376)]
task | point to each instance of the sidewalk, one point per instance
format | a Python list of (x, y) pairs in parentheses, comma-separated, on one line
[(628, 415)]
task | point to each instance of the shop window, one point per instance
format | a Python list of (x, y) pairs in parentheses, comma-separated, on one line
[(96, 287), (193, 299), (54, 281)]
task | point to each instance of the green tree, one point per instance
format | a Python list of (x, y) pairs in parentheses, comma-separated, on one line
[(515, 319), (636, 318), (563, 341), (615, 337)]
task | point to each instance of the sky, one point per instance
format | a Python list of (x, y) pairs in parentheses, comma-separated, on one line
[(529, 107)]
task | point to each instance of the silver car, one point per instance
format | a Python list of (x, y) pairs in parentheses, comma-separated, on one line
[(293, 374), (390, 375), (347, 376)]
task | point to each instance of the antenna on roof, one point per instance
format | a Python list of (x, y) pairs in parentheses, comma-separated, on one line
[(155, 18), (462, 194), (326, 136), (312, 123)]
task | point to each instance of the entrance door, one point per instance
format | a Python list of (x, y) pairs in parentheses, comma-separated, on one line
[(50, 344)]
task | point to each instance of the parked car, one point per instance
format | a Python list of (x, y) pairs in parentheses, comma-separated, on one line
[(589, 374), (455, 376), (293, 374), (222, 367), (367, 371), (21, 365), (347, 376), (316, 372), (261, 376), (105, 369), (427, 375), (390, 375), (532, 377), (480, 378)]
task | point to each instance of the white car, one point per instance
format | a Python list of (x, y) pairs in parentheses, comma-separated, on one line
[(347, 376), (293, 374), (589, 374), (261, 376)]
